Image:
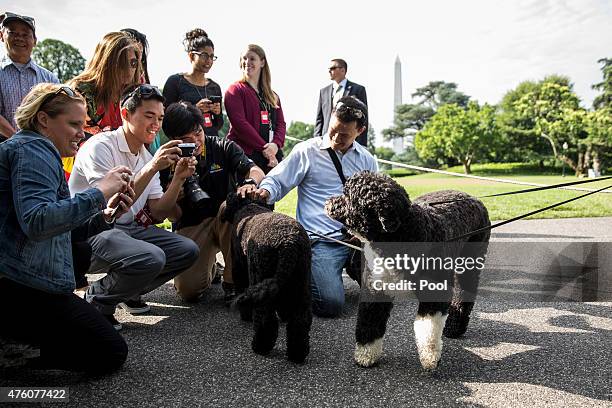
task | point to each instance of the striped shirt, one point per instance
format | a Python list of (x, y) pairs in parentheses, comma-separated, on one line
[(16, 80)]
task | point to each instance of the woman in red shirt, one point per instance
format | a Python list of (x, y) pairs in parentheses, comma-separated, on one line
[(254, 110)]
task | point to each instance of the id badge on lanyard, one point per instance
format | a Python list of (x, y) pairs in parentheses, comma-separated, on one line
[(265, 120), (207, 120)]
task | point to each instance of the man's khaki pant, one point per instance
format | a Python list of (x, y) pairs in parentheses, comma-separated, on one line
[(211, 236)]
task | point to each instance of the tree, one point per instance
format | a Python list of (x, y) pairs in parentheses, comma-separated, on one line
[(384, 153), (438, 93), (553, 112), (298, 130), (410, 118), (521, 140), (605, 99), (464, 134), (59, 57)]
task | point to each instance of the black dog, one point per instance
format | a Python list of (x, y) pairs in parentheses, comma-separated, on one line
[(377, 209), (271, 264)]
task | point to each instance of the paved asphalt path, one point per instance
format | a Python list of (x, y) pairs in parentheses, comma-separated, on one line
[(514, 354)]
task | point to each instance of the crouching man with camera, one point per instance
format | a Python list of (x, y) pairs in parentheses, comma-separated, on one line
[(137, 256), (221, 167)]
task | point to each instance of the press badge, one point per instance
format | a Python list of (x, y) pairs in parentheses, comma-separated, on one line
[(264, 118), (207, 120)]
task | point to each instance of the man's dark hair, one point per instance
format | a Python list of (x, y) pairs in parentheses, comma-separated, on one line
[(181, 118), (131, 99), (350, 109), (341, 62)]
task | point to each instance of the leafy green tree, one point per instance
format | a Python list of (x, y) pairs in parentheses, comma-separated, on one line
[(384, 153), (605, 99), (554, 114), (59, 57), (463, 134), (298, 130), (438, 93), (520, 139), (410, 118)]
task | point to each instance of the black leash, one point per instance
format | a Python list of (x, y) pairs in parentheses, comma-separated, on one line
[(490, 227), (529, 190)]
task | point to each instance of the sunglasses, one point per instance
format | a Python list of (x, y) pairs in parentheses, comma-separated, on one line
[(144, 92), (330, 69), (65, 89), (205, 55)]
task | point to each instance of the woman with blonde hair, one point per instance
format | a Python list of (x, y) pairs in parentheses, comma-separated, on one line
[(37, 303), (257, 123), (114, 67)]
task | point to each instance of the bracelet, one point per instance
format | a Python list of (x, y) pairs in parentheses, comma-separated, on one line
[(248, 181)]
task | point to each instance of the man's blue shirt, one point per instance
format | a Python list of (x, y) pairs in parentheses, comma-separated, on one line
[(311, 170)]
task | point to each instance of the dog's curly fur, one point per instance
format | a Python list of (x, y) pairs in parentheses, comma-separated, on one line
[(271, 260), (378, 209)]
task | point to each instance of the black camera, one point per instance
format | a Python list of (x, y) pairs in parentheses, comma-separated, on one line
[(215, 98), (193, 191), (187, 149)]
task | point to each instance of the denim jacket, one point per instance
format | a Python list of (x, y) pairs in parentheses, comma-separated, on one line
[(37, 214)]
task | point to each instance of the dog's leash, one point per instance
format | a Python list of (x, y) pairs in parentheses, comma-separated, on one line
[(528, 190), (334, 239), (499, 224)]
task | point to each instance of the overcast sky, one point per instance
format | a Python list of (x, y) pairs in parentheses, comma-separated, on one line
[(485, 46)]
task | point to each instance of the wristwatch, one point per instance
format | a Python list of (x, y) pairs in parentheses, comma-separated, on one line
[(248, 181)]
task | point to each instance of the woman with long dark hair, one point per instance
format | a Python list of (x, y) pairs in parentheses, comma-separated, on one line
[(194, 86)]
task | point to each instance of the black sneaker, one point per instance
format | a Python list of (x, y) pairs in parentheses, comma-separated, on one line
[(137, 306), (111, 319)]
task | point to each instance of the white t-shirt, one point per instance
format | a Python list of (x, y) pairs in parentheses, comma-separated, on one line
[(103, 152)]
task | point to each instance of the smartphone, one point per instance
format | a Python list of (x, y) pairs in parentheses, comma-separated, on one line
[(215, 98)]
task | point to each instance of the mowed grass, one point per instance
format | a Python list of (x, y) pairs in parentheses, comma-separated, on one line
[(502, 208)]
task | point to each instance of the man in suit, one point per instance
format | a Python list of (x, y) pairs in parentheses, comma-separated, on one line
[(329, 96)]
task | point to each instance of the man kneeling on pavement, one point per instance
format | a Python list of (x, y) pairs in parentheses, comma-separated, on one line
[(137, 256), (221, 167)]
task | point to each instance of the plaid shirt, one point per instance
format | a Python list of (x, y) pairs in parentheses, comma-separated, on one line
[(16, 82)]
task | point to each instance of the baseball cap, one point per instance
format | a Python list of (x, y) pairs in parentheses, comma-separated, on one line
[(7, 17)]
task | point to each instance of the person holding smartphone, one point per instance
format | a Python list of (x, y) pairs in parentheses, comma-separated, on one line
[(194, 86)]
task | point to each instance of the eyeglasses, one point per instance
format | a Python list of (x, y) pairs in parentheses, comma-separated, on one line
[(330, 69), (205, 55), (65, 89), (144, 92)]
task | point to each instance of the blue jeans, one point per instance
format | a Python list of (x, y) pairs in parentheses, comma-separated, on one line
[(328, 259)]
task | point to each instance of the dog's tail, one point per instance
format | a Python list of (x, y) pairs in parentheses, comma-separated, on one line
[(260, 294)]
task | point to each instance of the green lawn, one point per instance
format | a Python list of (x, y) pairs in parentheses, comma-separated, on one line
[(501, 208)]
